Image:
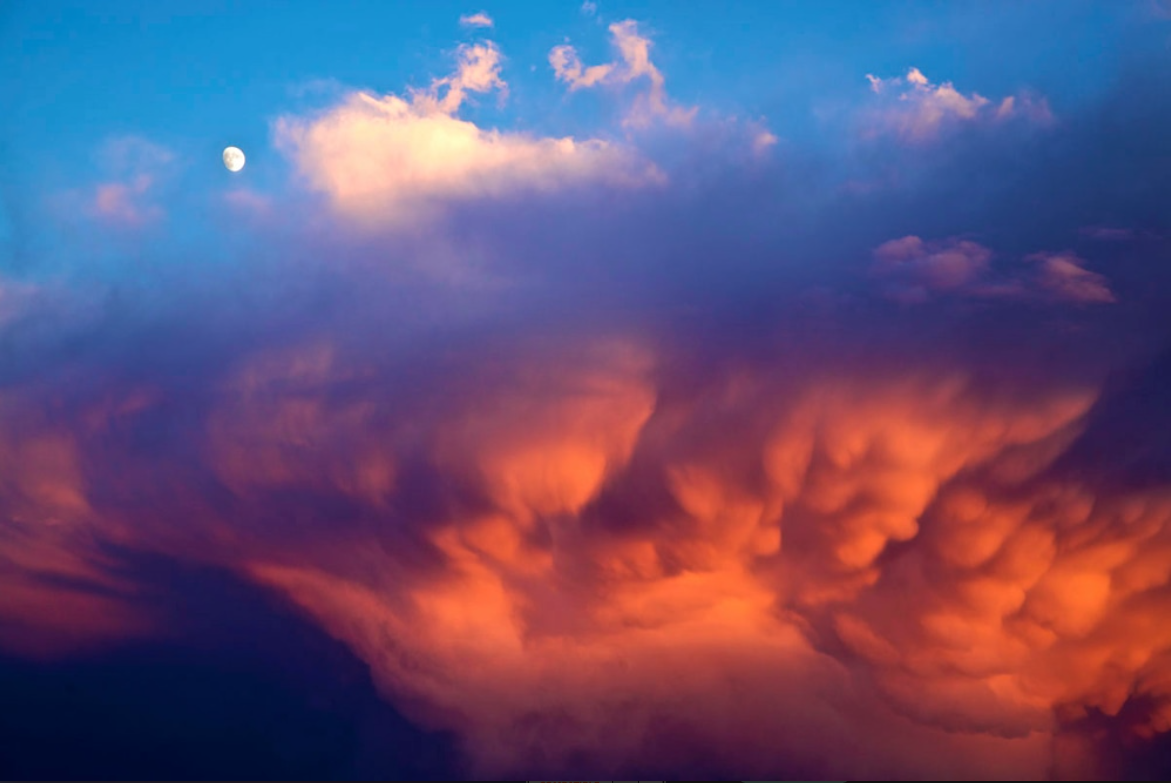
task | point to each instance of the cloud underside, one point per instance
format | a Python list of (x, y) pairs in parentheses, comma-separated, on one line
[(613, 557)]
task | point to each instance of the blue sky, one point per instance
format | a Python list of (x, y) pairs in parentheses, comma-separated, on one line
[(197, 76)]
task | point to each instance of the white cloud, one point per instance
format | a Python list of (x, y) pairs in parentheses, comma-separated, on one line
[(397, 158)]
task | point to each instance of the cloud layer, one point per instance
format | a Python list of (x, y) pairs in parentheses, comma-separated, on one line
[(729, 472)]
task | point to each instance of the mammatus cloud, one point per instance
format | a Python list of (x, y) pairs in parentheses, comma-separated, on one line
[(564, 554), (917, 110), (479, 19), (634, 64), (398, 158), (912, 270)]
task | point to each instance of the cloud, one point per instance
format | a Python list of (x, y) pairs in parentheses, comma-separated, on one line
[(400, 158), (477, 70), (571, 548), (479, 19), (589, 8), (133, 155), (249, 201), (634, 64), (1064, 276), (1107, 233), (547, 630), (913, 271), (917, 110), (126, 202), (677, 498), (135, 166), (763, 140), (922, 268)]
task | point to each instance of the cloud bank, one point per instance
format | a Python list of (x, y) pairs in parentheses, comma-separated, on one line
[(687, 493)]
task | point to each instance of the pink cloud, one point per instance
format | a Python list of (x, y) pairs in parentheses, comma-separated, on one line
[(126, 202), (1064, 276), (912, 271), (479, 19), (917, 110), (477, 70), (135, 165), (633, 64), (937, 266)]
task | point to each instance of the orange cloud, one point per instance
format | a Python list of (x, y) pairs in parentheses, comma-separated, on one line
[(546, 629), (567, 555), (57, 595)]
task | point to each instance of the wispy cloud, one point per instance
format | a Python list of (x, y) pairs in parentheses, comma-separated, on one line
[(479, 19), (136, 165), (634, 64)]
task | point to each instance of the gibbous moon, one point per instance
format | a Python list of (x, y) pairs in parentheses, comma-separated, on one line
[(234, 158)]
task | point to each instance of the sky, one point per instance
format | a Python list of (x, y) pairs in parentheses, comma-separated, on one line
[(689, 391)]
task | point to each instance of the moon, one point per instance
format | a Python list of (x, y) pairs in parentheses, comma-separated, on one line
[(233, 158)]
